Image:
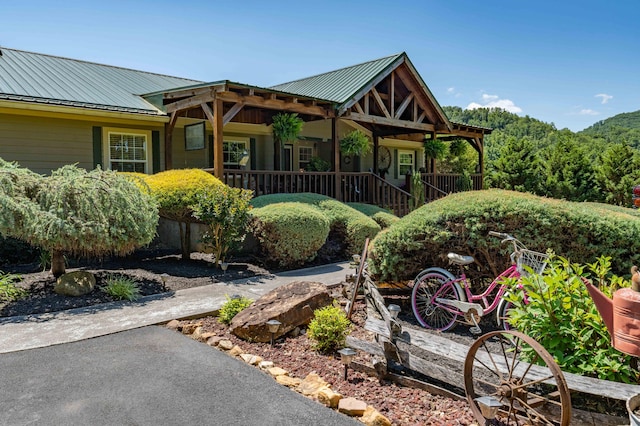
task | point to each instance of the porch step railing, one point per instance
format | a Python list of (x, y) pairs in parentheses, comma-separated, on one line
[(354, 187)]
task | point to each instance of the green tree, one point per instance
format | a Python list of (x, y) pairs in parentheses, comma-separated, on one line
[(225, 211), (617, 172), (517, 168), (568, 170), (75, 212), (286, 127)]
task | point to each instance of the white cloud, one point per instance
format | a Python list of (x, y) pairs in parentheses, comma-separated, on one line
[(605, 98), (588, 112), (451, 90), (494, 101)]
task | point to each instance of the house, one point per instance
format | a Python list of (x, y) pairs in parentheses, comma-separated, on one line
[(56, 111)]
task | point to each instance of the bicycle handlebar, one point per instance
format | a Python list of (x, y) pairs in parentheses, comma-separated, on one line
[(499, 235)]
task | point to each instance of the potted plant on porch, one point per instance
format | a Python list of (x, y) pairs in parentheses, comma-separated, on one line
[(286, 127)]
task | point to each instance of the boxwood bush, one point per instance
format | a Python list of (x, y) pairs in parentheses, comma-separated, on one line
[(383, 217), (346, 223), (290, 234), (460, 222)]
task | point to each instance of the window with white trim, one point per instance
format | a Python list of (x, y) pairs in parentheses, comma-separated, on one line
[(304, 156), (128, 152), (233, 151), (405, 162)]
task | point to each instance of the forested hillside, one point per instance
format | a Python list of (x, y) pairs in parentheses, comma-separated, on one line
[(601, 163)]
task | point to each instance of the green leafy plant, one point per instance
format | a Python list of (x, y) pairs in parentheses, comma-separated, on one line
[(225, 211), (417, 192), (122, 288), (562, 317), (9, 291), (355, 143), (317, 164), (328, 328), (286, 127), (232, 307)]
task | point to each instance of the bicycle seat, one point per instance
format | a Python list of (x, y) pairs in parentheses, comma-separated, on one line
[(459, 259)]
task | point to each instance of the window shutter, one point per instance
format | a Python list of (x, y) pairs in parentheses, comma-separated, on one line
[(97, 147), (395, 164), (155, 151), (252, 154)]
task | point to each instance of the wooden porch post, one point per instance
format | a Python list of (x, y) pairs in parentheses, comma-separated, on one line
[(480, 143), (376, 144), (168, 141), (336, 158), (218, 139)]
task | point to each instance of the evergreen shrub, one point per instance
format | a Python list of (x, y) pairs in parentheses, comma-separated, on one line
[(290, 234), (346, 223), (381, 216), (232, 307), (460, 222), (329, 328)]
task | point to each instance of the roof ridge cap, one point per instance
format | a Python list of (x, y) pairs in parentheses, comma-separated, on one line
[(397, 55), (3, 48)]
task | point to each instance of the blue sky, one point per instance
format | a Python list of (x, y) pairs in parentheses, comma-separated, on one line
[(567, 62)]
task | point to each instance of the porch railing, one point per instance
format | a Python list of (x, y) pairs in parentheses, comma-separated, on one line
[(354, 187)]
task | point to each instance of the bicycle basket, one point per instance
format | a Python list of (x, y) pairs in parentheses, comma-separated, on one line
[(534, 260)]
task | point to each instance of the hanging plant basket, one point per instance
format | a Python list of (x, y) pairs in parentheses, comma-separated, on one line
[(355, 143)]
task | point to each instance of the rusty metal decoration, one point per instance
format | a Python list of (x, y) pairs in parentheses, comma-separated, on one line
[(531, 394)]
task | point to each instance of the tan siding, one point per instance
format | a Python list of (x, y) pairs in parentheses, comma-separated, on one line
[(44, 144)]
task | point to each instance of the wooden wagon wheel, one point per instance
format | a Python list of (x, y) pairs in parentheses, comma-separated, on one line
[(535, 393)]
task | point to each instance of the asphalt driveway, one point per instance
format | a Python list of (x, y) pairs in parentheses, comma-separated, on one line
[(146, 376)]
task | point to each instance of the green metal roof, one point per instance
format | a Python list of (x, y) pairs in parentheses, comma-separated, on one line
[(38, 78), (341, 85)]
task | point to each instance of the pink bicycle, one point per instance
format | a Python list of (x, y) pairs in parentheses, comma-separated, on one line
[(439, 298)]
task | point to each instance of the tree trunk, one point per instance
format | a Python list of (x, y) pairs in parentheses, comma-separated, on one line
[(185, 240), (57, 263)]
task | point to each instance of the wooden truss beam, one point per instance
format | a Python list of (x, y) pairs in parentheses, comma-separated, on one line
[(273, 103), (235, 109), (386, 121)]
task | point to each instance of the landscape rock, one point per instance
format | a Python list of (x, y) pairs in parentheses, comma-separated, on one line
[(290, 382), (328, 397), (372, 417), (197, 333), (173, 325), (235, 351), (251, 359), (277, 371), (312, 384), (214, 340), (352, 407), (291, 304), (225, 344), (76, 283), (265, 365), (190, 327)]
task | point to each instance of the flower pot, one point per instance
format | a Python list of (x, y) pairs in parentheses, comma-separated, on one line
[(633, 407)]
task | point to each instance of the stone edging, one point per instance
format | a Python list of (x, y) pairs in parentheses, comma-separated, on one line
[(312, 386)]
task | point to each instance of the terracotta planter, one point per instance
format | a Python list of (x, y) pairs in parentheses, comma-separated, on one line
[(633, 404)]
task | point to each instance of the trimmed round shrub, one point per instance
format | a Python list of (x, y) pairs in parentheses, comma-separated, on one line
[(382, 217), (346, 223), (176, 190), (460, 222), (290, 234), (329, 328)]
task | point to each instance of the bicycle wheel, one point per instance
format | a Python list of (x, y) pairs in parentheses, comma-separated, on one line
[(426, 310), (503, 315), (530, 394)]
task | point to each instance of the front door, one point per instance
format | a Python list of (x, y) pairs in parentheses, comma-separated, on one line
[(288, 158)]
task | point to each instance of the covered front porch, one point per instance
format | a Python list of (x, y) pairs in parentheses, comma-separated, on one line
[(386, 99)]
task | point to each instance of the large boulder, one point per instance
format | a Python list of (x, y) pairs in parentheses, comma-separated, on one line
[(77, 283), (291, 304)]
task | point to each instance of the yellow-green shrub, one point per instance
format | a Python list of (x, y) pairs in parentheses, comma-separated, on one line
[(383, 217), (328, 328), (460, 222), (290, 234)]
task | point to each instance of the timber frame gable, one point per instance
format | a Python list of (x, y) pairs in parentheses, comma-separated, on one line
[(397, 98)]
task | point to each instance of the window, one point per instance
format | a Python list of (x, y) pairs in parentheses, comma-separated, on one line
[(304, 156), (128, 152), (233, 152), (405, 162)]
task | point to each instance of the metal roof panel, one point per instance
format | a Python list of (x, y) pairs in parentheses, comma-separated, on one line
[(40, 78)]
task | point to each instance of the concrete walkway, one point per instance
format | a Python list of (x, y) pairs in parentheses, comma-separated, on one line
[(37, 331)]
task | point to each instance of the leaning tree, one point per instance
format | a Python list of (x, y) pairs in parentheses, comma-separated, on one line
[(75, 212)]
